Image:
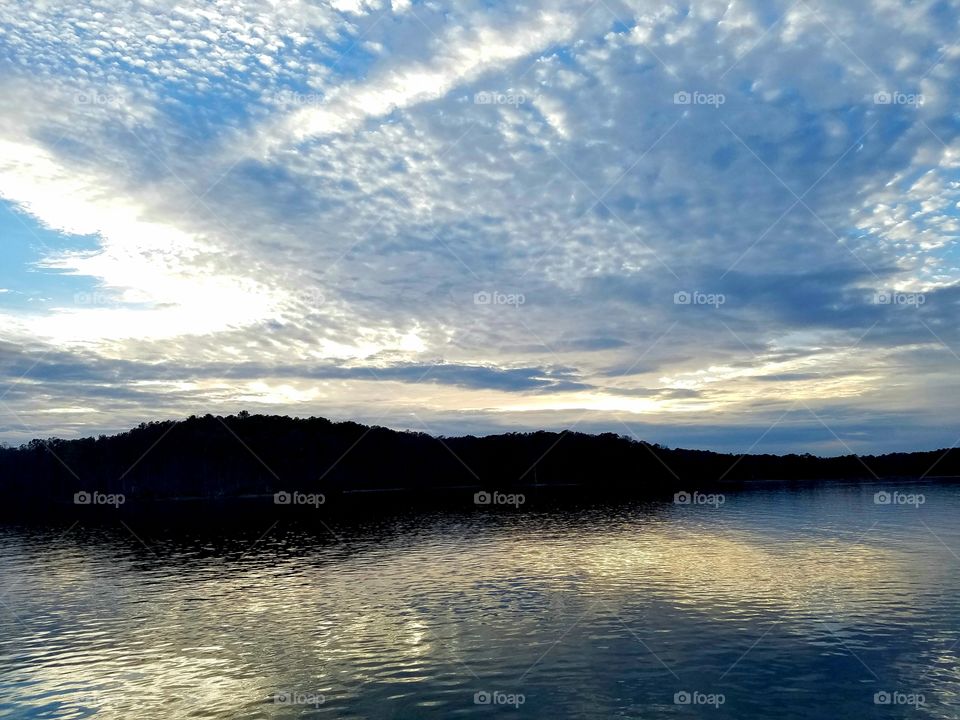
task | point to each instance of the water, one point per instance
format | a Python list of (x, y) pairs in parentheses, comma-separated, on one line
[(788, 603)]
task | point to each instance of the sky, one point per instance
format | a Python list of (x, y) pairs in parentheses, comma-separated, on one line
[(724, 225)]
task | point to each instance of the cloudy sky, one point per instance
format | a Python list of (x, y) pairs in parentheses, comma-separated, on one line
[(729, 225)]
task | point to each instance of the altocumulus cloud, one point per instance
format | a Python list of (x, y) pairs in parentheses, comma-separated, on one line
[(703, 223)]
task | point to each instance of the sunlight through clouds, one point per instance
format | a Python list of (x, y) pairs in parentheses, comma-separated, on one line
[(485, 216)]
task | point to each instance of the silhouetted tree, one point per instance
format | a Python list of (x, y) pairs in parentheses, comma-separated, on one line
[(256, 455)]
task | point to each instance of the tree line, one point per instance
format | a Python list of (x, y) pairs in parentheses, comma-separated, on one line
[(214, 457)]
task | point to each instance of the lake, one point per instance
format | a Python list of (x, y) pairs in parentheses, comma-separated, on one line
[(813, 601)]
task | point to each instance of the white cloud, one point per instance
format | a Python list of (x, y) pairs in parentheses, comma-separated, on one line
[(144, 262), (291, 182), (461, 56)]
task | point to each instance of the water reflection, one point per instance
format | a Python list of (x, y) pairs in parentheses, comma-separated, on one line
[(794, 603)]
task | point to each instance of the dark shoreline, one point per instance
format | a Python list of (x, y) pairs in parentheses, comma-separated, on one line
[(244, 460)]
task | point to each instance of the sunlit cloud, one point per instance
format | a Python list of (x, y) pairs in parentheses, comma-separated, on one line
[(459, 217)]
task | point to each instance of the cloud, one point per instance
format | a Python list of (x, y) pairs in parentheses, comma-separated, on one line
[(673, 212), (463, 53)]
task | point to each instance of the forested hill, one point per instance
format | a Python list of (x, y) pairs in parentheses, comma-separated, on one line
[(255, 455)]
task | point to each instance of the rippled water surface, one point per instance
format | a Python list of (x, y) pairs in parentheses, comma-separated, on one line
[(782, 602)]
